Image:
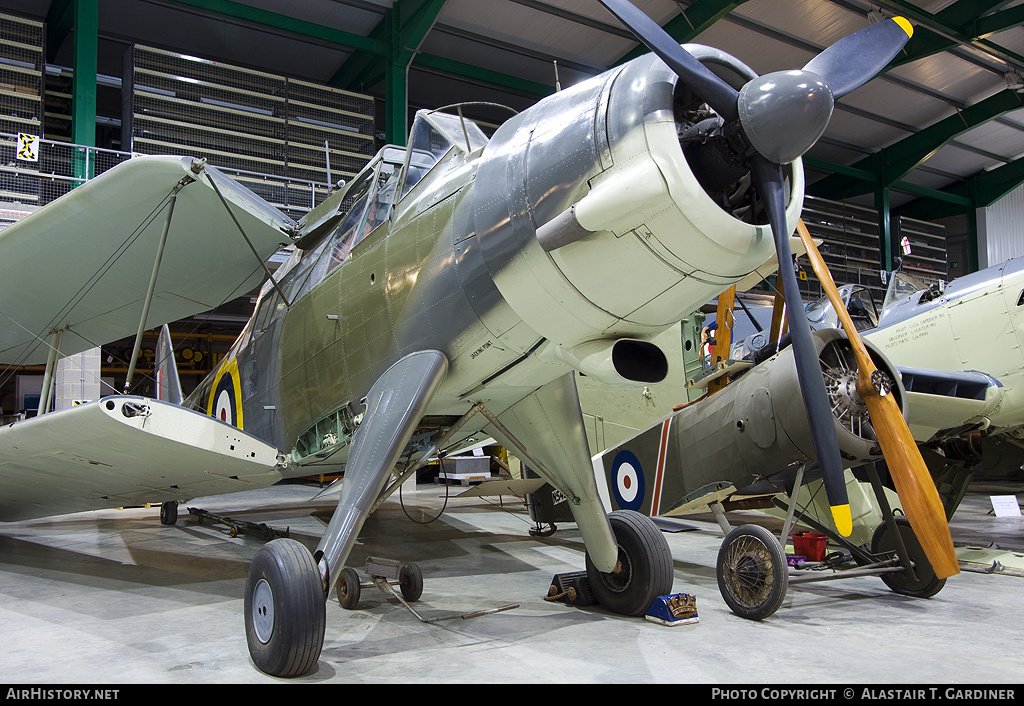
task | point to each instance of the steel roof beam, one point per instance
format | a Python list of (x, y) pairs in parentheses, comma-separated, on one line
[(691, 21), (966, 16), (979, 191), (896, 161)]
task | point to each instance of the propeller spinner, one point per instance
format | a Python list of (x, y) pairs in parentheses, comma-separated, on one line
[(781, 115)]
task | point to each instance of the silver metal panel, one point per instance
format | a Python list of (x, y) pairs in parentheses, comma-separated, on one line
[(124, 450)]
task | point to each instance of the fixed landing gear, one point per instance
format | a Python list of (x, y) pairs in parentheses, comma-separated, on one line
[(645, 566), (285, 611), (752, 572), (922, 581), (169, 512)]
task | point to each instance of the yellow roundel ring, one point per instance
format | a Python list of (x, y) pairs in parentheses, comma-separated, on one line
[(225, 402)]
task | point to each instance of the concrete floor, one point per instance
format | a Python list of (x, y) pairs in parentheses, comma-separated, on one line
[(114, 597)]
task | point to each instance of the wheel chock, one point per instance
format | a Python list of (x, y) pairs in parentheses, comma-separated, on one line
[(572, 589), (672, 610)]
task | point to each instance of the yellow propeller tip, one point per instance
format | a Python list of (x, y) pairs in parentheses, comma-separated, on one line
[(904, 25), (843, 519)]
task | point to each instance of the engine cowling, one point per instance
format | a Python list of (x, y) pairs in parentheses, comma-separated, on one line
[(592, 217)]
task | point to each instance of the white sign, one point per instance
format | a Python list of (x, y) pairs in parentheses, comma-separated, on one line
[(1005, 505), (28, 147)]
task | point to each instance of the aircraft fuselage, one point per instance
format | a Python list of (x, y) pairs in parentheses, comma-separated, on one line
[(456, 264)]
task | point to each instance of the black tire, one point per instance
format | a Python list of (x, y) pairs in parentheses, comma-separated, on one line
[(646, 561), (926, 584), (348, 588), (752, 572), (285, 611), (169, 512), (410, 581)]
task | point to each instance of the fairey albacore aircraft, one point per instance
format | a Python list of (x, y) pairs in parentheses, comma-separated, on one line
[(457, 284)]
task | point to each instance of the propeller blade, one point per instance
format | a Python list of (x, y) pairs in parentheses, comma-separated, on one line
[(715, 92), (914, 485), (769, 180), (855, 59)]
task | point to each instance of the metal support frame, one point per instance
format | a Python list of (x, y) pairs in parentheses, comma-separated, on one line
[(870, 564), (788, 524)]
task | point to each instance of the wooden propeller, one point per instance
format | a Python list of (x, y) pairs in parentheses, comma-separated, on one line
[(914, 485)]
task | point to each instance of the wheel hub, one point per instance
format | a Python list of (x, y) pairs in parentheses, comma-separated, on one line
[(263, 611)]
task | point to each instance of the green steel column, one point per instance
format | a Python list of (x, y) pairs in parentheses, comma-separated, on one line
[(396, 102), (887, 249), (83, 99), (973, 256)]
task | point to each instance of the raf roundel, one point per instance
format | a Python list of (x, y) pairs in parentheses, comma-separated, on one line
[(627, 481), (225, 401)]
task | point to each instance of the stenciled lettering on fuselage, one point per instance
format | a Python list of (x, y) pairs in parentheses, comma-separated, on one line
[(225, 401), (635, 475)]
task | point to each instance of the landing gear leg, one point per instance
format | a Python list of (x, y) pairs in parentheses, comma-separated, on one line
[(285, 612), (644, 569)]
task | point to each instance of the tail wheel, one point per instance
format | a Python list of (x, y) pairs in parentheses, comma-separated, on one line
[(926, 584), (646, 566), (752, 572), (348, 588), (410, 581), (285, 614)]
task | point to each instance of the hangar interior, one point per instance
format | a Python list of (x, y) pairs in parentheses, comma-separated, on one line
[(918, 168)]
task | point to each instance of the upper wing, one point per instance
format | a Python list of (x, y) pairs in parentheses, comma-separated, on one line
[(946, 399), (124, 450), (82, 264)]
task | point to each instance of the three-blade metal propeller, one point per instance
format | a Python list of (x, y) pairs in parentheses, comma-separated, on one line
[(782, 115)]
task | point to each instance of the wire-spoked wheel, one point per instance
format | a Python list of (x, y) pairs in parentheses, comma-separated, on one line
[(752, 572)]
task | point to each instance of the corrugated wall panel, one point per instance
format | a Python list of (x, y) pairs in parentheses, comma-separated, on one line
[(1004, 228)]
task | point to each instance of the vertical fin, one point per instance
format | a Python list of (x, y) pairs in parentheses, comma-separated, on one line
[(168, 385)]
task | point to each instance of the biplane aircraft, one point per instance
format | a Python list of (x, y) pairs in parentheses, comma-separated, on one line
[(455, 285), (954, 355), (957, 348)]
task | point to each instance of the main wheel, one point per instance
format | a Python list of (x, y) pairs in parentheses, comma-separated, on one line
[(752, 572), (285, 612), (410, 581), (646, 566), (348, 588), (927, 584), (169, 512)]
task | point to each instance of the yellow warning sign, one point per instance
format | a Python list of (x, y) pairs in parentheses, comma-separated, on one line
[(28, 147)]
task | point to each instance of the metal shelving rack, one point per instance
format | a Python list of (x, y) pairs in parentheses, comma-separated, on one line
[(22, 64), (927, 258), (274, 131), (851, 246)]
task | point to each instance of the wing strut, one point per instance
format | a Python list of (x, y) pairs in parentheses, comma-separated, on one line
[(152, 283), (45, 394), (263, 264)]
